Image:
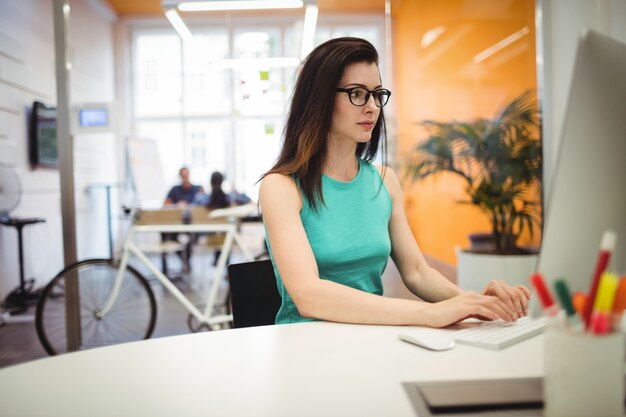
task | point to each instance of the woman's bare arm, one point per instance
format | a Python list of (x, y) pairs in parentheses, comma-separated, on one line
[(322, 299)]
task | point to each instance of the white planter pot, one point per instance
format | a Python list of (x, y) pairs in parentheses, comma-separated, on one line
[(475, 270)]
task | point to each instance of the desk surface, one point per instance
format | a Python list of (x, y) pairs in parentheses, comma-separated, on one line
[(308, 369)]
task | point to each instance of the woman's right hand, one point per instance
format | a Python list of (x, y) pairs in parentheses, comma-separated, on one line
[(468, 305)]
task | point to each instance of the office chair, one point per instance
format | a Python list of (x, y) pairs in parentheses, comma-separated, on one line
[(254, 295)]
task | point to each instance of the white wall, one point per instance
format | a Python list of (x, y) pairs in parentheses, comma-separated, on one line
[(27, 74), (560, 22)]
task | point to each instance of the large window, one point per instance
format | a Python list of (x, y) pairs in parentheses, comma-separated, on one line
[(218, 102)]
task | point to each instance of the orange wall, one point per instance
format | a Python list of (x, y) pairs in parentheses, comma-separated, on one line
[(440, 81)]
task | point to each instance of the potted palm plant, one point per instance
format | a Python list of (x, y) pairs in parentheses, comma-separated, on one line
[(499, 160)]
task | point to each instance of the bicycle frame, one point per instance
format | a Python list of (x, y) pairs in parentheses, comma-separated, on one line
[(130, 247)]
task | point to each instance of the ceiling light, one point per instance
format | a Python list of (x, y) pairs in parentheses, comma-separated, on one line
[(203, 6), (308, 30), (178, 24)]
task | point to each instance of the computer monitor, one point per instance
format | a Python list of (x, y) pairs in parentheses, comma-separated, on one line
[(588, 191)]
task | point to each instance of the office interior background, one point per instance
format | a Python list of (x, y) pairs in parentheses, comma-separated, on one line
[(218, 101)]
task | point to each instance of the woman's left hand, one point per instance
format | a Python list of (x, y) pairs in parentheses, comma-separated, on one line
[(516, 298)]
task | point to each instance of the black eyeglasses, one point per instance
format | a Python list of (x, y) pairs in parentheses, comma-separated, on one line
[(360, 95)]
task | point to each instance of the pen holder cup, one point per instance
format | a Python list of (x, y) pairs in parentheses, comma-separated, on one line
[(584, 374)]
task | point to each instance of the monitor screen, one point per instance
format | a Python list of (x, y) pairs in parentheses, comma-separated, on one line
[(587, 194), (93, 117), (43, 135)]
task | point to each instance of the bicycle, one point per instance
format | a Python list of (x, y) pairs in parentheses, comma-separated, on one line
[(107, 301)]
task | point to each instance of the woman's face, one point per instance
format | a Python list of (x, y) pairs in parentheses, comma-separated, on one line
[(355, 123)]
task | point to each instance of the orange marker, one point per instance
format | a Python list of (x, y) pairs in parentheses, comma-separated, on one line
[(619, 303), (579, 299)]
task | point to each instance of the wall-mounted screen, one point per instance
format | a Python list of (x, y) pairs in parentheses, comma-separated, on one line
[(43, 148), (93, 117)]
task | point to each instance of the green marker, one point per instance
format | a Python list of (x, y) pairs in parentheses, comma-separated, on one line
[(565, 299)]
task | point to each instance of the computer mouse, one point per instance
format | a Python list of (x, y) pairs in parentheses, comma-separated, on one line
[(430, 342)]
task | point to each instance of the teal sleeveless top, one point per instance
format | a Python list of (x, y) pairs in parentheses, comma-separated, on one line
[(349, 235)]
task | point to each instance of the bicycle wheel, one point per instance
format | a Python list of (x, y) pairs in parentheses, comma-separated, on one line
[(131, 318)]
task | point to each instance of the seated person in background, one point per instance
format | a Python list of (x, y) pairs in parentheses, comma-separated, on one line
[(180, 195), (183, 194), (217, 198)]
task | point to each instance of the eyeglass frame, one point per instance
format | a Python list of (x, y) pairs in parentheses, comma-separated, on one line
[(367, 96)]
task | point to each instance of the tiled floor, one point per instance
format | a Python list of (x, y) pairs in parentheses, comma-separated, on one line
[(19, 342)]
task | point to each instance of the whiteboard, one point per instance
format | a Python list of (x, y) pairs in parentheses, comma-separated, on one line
[(146, 172)]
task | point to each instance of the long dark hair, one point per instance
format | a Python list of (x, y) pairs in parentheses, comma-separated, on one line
[(306, 132), (218, 198)]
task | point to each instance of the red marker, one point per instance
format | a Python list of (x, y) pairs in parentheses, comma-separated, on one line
[(607, 245), (547, 302)]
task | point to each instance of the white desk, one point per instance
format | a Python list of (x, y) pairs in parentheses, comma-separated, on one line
[(309, 369)]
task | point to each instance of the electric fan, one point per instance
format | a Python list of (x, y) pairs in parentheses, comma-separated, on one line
[(10, 191)]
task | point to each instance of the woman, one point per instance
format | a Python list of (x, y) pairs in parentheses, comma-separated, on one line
[(217, 198), (332, 218)]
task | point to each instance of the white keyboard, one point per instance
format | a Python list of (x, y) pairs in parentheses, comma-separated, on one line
[(496, 335)]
